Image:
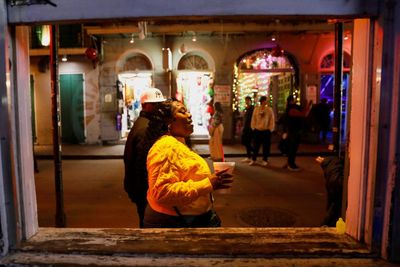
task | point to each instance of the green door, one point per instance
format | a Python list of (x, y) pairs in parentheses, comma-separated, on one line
[(72, 119)]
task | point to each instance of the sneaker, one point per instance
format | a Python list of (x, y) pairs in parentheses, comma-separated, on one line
[(246, 160), (264, 163), (293, 168), (252, 162)]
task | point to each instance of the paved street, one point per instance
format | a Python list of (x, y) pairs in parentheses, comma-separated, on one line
[(261, 196)]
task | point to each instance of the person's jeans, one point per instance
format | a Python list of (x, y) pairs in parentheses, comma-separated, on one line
[(293, 140), (247, 138), (262, 138)]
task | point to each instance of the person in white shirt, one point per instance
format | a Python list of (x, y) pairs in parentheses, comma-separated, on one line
[(262, 124)]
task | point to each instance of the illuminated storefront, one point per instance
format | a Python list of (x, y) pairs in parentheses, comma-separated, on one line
[(136, 77), (194, 87), (327, 84), (266, 72)]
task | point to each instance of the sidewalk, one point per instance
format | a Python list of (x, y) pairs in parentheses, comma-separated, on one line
[(116, 151)]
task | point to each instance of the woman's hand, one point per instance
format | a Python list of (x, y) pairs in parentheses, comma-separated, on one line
[(221, 179)]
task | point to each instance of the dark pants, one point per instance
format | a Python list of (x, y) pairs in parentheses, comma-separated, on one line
[(262, 138), (247, 138), (293, 142), (141, 208)]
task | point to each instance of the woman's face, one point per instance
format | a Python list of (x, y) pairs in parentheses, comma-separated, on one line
[(181, 125)]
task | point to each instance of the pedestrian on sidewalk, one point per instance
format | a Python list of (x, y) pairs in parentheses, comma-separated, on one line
[(295, 116), (216, 131), (262, 124), (180, 181), (247, 132), (135, 152)]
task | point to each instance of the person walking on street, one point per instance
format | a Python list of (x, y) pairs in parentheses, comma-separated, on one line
[(295, 116), (216, 131), (322, 113), (262, 124), (135, 152), (247, 132)]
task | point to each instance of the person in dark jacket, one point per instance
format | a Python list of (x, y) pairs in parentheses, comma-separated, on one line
[(135, 152), (322, 114), (247, 133), (295, 116), (333, 172)]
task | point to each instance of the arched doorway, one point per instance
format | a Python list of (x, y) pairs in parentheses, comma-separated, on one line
[(268, 72), (264, 72), (194, 82), (136, 74), (327, 85)]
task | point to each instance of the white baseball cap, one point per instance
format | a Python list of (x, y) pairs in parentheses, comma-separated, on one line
[(151, 95)]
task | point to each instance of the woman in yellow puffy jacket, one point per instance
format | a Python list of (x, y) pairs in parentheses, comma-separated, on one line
[(180, 181)]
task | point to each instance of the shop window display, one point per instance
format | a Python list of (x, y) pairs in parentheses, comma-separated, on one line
[(194, 88), (265, 72), (327, 84), (133, 86)]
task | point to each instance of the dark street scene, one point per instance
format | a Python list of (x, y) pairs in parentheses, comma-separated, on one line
[(260, 196), (199, 133)]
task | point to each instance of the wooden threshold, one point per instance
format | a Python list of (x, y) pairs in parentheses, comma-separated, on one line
[(247, 242), (244, 247)]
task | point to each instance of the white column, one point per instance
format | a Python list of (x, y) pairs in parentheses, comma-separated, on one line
[(359, 129)]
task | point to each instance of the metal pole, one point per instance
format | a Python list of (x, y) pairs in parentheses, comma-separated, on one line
[(56, 121), (337, 100)]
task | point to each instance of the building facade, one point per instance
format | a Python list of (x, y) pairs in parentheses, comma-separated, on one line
[(372, 183)]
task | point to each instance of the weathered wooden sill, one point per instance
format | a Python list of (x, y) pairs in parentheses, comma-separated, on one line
[(184, 241), (200, 244)]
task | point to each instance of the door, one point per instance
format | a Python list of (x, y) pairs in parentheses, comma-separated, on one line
[(72, 116)]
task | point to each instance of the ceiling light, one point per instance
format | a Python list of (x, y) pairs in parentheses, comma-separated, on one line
[(132, 39), (273, 38), (194, 38), (64, 58), (346, 37)]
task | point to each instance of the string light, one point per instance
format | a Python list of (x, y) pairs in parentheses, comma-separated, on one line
[(247, 82)]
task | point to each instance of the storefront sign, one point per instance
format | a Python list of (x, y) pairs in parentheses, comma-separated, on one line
[(222, 94), (311, 93)]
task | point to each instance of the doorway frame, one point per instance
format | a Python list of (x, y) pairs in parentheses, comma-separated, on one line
[(30, 194), (22, 150)]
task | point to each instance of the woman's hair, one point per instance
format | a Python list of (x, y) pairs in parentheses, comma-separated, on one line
[(218, 107), (158, 125)]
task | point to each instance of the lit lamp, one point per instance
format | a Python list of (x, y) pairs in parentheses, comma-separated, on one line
[(194, 38), (45, 36), (64, 58)]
